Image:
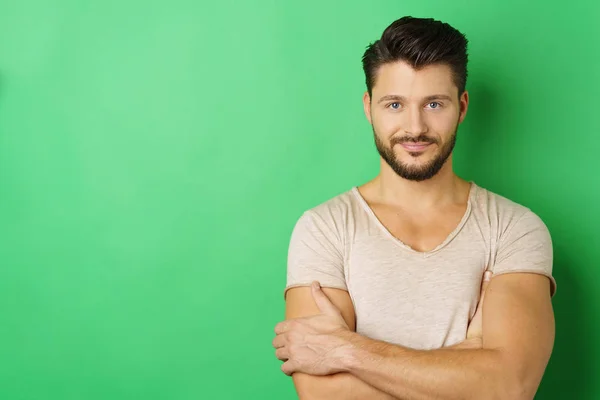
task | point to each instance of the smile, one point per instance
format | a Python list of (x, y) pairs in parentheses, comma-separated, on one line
[(416, 147)]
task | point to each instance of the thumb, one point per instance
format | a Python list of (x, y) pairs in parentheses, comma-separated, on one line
[(325, 305), (487, 276), (476, 320)]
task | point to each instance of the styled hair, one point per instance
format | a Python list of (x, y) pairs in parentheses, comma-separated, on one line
[(419, 42)]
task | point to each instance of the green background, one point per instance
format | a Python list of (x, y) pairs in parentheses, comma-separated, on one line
[(154, 157)]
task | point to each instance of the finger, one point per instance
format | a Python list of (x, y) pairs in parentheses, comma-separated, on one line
[(279, 341), (478, 310), (288, 367), (487, 276), (475, 322), (282, 354), (486, 281), (282, 327), (325, 305)]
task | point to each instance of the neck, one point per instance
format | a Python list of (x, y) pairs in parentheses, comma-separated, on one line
[(442, 189)]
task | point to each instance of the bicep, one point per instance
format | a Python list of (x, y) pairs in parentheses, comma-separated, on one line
[(300, 303), (518, 321)]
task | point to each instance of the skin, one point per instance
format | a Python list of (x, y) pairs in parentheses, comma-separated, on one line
[(305, 302), (410, 104), (509, 341)]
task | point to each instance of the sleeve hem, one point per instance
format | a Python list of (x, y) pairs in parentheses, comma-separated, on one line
[(553, 285), (303, 284)]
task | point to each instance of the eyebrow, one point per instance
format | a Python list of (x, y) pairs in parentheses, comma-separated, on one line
[(402, 98)]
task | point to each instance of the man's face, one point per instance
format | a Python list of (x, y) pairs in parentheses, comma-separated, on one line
[(415, 116)]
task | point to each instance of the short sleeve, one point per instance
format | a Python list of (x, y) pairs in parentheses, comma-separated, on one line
[(315, 254), (526, 246)]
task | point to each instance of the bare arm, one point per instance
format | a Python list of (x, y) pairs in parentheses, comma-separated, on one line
[(518, 336), (300, 303)]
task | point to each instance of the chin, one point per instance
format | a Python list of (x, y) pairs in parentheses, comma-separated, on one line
[(416, 158)]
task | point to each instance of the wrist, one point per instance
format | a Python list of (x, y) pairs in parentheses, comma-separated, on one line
[(347, 355), (360, 351)]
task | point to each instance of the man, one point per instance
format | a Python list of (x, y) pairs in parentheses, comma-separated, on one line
[(401, 263)]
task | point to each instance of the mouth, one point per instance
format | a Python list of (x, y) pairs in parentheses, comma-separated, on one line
[(416, 147)]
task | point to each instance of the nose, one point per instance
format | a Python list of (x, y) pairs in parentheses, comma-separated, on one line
[(415, 123)]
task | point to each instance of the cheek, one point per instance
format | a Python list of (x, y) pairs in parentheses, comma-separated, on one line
[(442, 124), (387, 124)]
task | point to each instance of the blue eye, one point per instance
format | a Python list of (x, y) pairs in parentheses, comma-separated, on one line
[(434, 104), (393, 104)]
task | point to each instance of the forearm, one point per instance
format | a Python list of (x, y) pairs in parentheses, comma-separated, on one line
[(343, 386), (461, 372)]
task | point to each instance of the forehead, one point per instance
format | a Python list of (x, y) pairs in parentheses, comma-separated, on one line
[(401, 79)]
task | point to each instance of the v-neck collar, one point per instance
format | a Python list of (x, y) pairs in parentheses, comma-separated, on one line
[(399, 242)]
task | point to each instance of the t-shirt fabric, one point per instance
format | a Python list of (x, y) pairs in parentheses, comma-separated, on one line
[(420, 300)]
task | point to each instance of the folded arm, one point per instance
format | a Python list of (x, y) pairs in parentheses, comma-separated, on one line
[(300, 303), (506, 363), (517, 340)]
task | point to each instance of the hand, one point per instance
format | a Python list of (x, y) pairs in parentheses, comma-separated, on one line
[(475, 329), (313, 345)]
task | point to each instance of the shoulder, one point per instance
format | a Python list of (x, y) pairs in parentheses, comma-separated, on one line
[(333, 211), (504, 212), (510, 220), (521, 240), (331, 219)]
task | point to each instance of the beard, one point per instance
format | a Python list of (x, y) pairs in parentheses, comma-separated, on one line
[(415, 173)]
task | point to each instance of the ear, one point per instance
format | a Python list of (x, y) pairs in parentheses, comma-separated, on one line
[(367, 106), (463, 101)]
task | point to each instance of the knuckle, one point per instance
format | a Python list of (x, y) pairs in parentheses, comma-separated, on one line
[(292, 338), (289, 337), (291, 349)]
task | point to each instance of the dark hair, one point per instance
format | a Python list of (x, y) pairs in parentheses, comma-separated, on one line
[(419, 42)]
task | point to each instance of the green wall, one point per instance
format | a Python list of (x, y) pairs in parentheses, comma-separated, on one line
[(155, 155)]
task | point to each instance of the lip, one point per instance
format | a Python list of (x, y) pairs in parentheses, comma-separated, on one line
[(416, 147)]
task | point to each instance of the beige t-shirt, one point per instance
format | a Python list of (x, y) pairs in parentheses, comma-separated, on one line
[(421, 300)]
